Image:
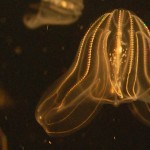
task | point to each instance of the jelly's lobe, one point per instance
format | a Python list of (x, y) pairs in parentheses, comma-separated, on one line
[(53, 12)]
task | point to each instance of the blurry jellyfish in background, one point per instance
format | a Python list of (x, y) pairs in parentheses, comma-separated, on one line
[(3, 141), (53, 12), (5, 100)]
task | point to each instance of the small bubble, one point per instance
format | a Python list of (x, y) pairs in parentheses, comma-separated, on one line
[(114, 138), (45, 141), (22, 147), (44, 49), (81, 27), (45, 72), (62, 47), (2, 20), (47, 27), (6, 118), (83, 135), (18, 50)]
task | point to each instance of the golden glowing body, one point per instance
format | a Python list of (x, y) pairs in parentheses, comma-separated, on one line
[(111, 67)]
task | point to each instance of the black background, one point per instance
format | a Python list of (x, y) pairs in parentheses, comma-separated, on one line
[(31, 60)]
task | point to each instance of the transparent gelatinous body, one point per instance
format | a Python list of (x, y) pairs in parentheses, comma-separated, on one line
[(54, 12), (112, 66)]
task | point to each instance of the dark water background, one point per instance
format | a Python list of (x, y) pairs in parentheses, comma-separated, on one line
[(31, 60)]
